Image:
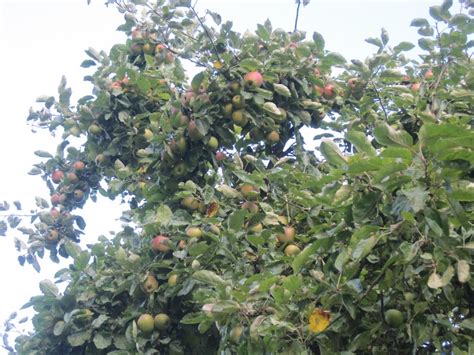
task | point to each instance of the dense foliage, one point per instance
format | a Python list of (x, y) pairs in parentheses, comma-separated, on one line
[(238, 238)]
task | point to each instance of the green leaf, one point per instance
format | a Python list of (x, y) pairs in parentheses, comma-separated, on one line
[(333, 155), (43, 154), (250, 64), (48, 288), (102, 341), (334, 58), (388, 136), (417, 197), (79, 338), (304, 256), (419, 22), (468, 324), (446, 5), (437, 13), (209, 277), (197, 80), (364, 247), (318, 41), (437, 281), (375, 41), (360, 141), (163, 215), (236, 219), (384, 36), (403, 46)]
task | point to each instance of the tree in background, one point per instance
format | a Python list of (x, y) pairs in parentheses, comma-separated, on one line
[(239, 239)]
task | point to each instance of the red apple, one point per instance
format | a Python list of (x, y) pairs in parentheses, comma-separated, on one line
[(220, 156), (55, 199), (57, 176), (160, 243), (78, 166), (329, 91), (415, 87), (253, 79)]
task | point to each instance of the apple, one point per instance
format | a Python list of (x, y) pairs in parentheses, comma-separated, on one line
[(220, 156), (214, 229), (160, 47), (428, 74), (235, 334), (292, 46), (137, 33), (148, 49), (78, 166), (150, 284), (190, 202), (57, 176), (256, 228), (148, 134), (180, 169), (78, 195), (173, 280), (238, 101), (292, 250), (194, 232), (329, 91), (251, 206), (187, 98), (415, 87), (54, 213), (94, 129), (72, 178), (162, 321), (250, 192), (52, 236), (179, 146), (253, 79), (182, 244), (319, 91), (234, 87), (169, 58), (99, 159), (228, 108), (239, 117), (273, 137), (213, 143), (55, 199), (394, 318), (136, 49), (352, 83), (193, 131), (146, 323), (160, 243), (288, 235)]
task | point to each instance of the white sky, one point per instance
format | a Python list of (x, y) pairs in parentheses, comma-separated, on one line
[(42, 40)]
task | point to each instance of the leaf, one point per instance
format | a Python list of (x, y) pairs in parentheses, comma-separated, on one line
[(387, 135), (364, 247), (360, 141), (403, 47), (463, 271), (303, 257), (375, 41), (282, 90), (48, 288), (446, 5), (101, 341), (437, 13), (228, 191), (334, 58), (250, 64), (79, 338), (197, 80), (468, 324), (163, 215), (209, 277), (384, 36), (437, 281), (236, 219), (318, 41), (419, 22), (331, 152), (417, 197), (43, 154)]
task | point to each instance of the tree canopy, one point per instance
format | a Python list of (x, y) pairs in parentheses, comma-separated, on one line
[(239, 239)]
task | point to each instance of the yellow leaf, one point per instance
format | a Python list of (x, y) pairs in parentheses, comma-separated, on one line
[(217, 65), (319, 320)]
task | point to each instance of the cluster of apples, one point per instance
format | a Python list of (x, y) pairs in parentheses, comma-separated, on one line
[(145, 43), (147, 323)]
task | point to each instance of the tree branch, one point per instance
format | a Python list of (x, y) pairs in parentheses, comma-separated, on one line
[(297, 15)]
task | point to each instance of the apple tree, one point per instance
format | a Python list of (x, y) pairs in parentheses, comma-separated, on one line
[(239, 238)]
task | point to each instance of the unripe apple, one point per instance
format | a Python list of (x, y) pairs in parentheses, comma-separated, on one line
[(194, 232), (169, 58), (72, 178), (234, 87), (162, 321), (256, 228), (238, 101), (148, 134), (193, 131), (78, 195), (273, 137), (94, 129), (292, 249), (394, 318), (180, 169), (99, 159), (187, 98), (329, 91), (179, 146), (195, 265), (148, 49), (137, 33), (228, 109), (57, 176), (146, 323), (250, 192), (240, 118), (54, 213), (253, 79), (213, 143), (288, 235), (150, 284), (160, 243), (214, 229), (220, 156), (190, 202), (235, 334), (173, 280), (136, 49)]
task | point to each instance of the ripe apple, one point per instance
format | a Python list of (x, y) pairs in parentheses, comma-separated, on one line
[(194, 232), (162, 321), (220, 156), (182, 244), (137, 33), (78, 166), (187, 98), (428, 74), (173, 280), (169, 58), (329, 91), (52, 236), (352, 83), (55, 199), (240, 118), (238, 101), (250, 192), (253, 79), (160, 47), (319, 91), (72, 178), (251, 206), (415, 87), (160, 243), (213, 143), (146, 323), (273, 137), (57, 176), (150, 284), (78, 195), (288, 235), (292, 249)]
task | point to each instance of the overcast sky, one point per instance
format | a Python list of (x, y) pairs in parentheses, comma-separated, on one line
[(42, 40)]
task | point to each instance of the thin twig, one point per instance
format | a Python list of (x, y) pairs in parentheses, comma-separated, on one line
[(297, 15), (207, 33), (380, 100)]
